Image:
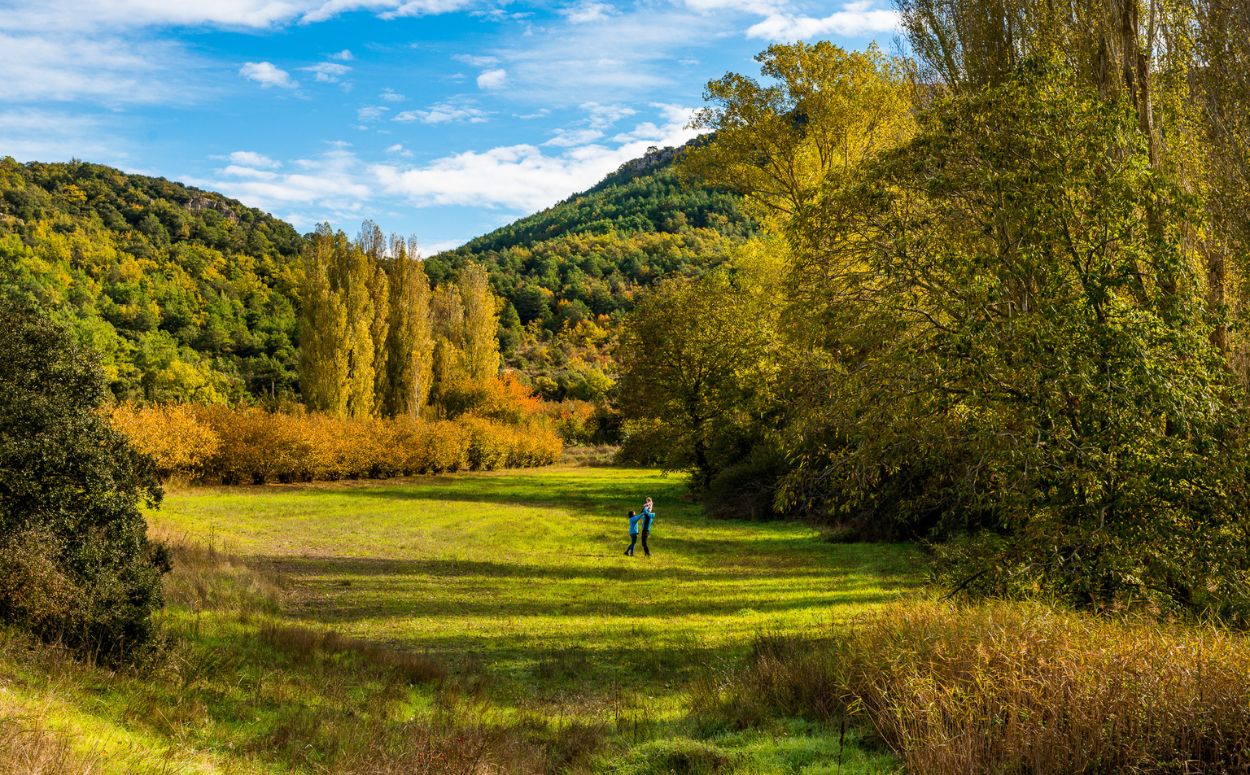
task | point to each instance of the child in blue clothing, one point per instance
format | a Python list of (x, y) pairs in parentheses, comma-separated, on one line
[(634, 519), (648, 516)]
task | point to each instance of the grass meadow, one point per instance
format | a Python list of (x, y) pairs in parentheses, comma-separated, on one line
[(458, 623)]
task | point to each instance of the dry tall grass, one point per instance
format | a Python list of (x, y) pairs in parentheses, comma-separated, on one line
[(28, 746), (1011, 688)]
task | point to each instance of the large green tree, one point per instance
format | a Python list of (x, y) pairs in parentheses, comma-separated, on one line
[(76, 565)]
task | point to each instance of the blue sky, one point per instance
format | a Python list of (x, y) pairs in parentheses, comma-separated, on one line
[(439, 118)]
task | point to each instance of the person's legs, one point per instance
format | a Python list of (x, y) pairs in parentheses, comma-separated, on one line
[(646, 550), (633, 539)]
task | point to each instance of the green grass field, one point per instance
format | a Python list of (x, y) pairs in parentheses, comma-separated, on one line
[(515, 586)]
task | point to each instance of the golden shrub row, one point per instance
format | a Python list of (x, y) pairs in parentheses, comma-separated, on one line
[(238, 446)]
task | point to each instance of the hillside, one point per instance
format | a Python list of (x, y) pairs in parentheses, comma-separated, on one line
[(189, 295), (570, 272), (186, 295)]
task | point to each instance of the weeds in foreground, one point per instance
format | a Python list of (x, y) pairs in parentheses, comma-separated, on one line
[(29, 747), (1007, 687)]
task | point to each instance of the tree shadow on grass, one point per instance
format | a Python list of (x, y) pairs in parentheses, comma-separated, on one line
[(516, 489)]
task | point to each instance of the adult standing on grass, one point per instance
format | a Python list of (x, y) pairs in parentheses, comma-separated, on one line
[(648, 516), (634, 519)]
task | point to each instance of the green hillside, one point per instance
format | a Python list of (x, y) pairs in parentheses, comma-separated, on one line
[(589, 254), (189, 295), (185, 294), (570, 272)]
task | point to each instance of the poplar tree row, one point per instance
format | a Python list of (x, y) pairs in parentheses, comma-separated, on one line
[(376, 340)]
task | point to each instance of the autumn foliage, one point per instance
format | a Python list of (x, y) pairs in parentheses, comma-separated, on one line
[(252, 445)]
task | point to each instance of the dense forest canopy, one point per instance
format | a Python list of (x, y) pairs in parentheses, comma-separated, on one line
[(185, 294), (191, 296)]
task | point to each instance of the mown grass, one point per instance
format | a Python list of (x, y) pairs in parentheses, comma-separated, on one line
[(456, 623)]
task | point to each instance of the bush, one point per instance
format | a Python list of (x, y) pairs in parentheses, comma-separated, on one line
[(172, 435), (256, 446), (75, 562), (1012, 687)]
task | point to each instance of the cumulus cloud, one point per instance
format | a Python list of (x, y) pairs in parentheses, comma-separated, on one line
[(445, 113), (253, 159), (267, 75), (371, 112), (524, 177), (341, 186), (858, 18), (492, 79), (328, 72), (332, 182), (390, 95)]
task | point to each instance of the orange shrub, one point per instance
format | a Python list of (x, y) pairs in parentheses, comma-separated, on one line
[(250, 445), (173, 435)]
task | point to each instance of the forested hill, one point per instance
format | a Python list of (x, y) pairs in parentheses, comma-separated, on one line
[(187, 295), (588, 255)]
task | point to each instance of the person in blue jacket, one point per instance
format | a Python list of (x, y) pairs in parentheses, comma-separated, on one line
[(634, 519), (648, 517)]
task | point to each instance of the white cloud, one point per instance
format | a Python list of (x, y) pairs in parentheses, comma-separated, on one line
[(523, 177), (338, 185), (445, 113), (757, 7), (390, 95), (253, 159), (343, 56), (328, 72), (565, 138), (603, 116), (474, 60), (371, 112), (858, 18), (492, 79), (332, 183), (43, 135), (110, 70), (267, 75), (247, 14), (587, 11)]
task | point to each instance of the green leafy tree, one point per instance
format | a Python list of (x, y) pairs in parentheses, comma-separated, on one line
[(75, 562), (1052, 381), (696, 359)]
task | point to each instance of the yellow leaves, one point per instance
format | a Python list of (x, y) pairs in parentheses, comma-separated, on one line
[(245, 445)]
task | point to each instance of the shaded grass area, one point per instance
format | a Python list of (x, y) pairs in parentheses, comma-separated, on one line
[(452, 623)]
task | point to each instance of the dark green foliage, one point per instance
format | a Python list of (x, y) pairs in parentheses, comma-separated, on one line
[(587, 258), (185, 294), (75, 562)]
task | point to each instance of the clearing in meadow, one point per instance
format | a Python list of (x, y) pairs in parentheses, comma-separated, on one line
[(514, 583)]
